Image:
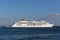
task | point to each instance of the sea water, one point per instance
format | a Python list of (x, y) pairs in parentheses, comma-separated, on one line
[(8, 33)]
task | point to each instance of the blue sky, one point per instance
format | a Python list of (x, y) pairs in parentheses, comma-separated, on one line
[(10, 9)]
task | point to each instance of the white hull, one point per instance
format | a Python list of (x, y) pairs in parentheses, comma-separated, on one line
[(32, 24), (50, 25)]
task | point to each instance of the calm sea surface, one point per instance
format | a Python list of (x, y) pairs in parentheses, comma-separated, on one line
[(8, 33)]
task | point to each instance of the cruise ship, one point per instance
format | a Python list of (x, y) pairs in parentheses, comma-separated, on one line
[(24, 23)]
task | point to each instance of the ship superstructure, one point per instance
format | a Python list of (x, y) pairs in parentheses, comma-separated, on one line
[(24, 23)]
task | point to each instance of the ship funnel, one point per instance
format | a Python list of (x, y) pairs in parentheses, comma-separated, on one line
[(23, 20)]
